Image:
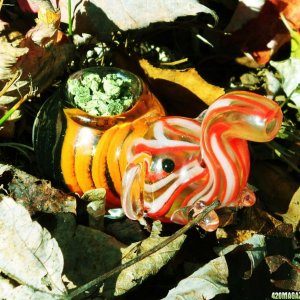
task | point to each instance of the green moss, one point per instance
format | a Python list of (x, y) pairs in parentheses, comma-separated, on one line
[(107, 96)]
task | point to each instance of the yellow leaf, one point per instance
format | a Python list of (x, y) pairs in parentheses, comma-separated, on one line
[(188, 78)]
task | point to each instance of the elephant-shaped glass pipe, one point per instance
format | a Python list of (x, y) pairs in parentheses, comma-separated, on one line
[(168, 167)]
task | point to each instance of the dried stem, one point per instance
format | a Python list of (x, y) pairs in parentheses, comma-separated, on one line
[(97, 281), (15, 107), (12, 80)]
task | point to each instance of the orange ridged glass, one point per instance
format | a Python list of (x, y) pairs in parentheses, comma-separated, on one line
[(85, 151)]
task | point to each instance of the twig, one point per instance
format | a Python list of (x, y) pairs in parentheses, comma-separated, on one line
[(16, 106), (174, 63), (11, 82), (120, 268)]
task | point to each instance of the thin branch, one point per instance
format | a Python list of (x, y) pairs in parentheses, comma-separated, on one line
[(100, 279), (11, 82), (29, 95), (272, 145)]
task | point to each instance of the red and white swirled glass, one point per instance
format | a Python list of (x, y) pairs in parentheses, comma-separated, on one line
[(180, 165)]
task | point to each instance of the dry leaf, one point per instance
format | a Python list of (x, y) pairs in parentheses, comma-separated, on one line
[(127, 14), (28, 254), (34, 5), (292, 216), (88, 253), (252, 17), (189, 79), (292, 273), (225, 236), (33, 193), (256, 253), (28, 58), (289, 77), (8, 291), (244, 12), (137, 273), (214, 277), (253, 221), (291, 11), (97, 253), (32, 54), (204, 284)]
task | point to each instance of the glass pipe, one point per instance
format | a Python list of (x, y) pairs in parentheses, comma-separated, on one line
[(180, 165), (167, 167)]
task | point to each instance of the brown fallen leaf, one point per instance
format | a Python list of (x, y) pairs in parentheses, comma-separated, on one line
[(93, 16), (26, 59), (188, 79), (233, 237), (253, 220), (290, 272), (263, 17), (33, 193)]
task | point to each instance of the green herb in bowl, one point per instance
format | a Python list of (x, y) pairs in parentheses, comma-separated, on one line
[(101, 95)]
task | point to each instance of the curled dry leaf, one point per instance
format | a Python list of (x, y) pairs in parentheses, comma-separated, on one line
[(33, 193), (94, 16), (28, 254), (188, 79)]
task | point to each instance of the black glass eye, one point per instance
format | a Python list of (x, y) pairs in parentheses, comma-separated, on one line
[(168, 165)]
